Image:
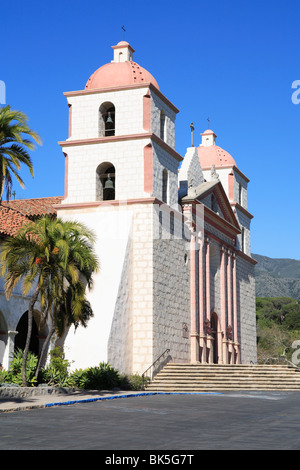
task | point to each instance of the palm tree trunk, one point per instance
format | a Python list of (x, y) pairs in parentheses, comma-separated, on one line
[(27, 344), (2, 187), (45, 346)]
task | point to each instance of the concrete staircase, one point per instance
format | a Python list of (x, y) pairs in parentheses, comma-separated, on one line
[(221, 377)]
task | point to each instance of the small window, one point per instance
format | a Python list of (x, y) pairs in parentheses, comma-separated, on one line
[(240, 193), (105, 183), (107, 120), (243, 240), (162, 124), (165, 186), (172, 225)]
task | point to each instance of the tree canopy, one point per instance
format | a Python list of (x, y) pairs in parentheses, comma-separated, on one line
[(16, 138)]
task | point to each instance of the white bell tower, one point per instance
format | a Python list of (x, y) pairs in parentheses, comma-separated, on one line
[(121, 139)]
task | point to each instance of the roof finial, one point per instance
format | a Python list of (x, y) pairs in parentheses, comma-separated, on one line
[(123, 27), (208, 120), (192, 134)]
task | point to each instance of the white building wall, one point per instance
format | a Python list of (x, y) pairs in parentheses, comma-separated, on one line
[(127, 158), (121, 331), (128, 112)]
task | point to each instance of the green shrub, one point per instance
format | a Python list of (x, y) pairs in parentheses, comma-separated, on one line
[(56, 373), (14, 375), (4, 377), (132, 382), (96, 378)]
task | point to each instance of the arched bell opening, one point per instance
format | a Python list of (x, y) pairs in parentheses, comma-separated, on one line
[(107, 119), (105, 184)]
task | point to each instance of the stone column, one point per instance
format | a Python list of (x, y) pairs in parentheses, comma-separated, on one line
[(235, 309), (201, 252), (207, 297), (229, 308), (207, 278), (9, 348), (194, 333), (223, 304)]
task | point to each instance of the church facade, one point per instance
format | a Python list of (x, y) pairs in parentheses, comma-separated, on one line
[(173, 233)]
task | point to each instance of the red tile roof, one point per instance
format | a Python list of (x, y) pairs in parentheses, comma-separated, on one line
[(14, 214)]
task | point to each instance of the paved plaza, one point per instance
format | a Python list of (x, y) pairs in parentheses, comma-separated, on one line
[(160, 422)]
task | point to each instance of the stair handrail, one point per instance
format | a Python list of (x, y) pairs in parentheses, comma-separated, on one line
[(153, 364)]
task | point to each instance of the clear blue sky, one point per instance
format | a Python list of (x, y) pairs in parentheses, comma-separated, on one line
[(232, 60)]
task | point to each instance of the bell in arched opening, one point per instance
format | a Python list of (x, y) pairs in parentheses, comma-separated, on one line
[(106, 120), (105, 182), (109, 189)]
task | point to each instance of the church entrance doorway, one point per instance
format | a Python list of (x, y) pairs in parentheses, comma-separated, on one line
[(20, 338), (214, 333)]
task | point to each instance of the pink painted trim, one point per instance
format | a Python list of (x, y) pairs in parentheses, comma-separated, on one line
[(231, 232), (116, 138), (83, 205), (101, 140), (194, 333), (201, 288), (229, 290), (70, 120), (223, 302), (222, 199), (234, 291), (127, 87), (237, 205), (105, 90), (207, 274), (148, 169), (147, 112), (231, 186), (66, 174), (123, 46)]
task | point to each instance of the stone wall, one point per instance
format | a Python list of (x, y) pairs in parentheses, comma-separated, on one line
[(171, 290), (247, 310)]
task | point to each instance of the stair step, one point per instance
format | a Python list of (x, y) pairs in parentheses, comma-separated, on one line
[(225, 377)]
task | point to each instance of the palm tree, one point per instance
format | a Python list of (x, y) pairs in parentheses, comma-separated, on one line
[(14, 146), (73, 309), (55, 260)]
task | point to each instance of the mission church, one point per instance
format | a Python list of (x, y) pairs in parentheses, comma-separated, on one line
[(173, 233)]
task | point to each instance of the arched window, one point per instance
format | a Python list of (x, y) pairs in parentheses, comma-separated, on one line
[(243, 240), (172, 225), (162, 125), (107, 119), (165, 186), (240, 194), (105, 182)]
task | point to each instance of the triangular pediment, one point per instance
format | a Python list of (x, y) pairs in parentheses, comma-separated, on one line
[(212, 195)]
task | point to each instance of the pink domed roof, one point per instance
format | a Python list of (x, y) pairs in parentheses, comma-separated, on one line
[(214, 155), (119, 74)]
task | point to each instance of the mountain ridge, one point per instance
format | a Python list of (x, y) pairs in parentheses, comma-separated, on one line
[(277, 277)]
